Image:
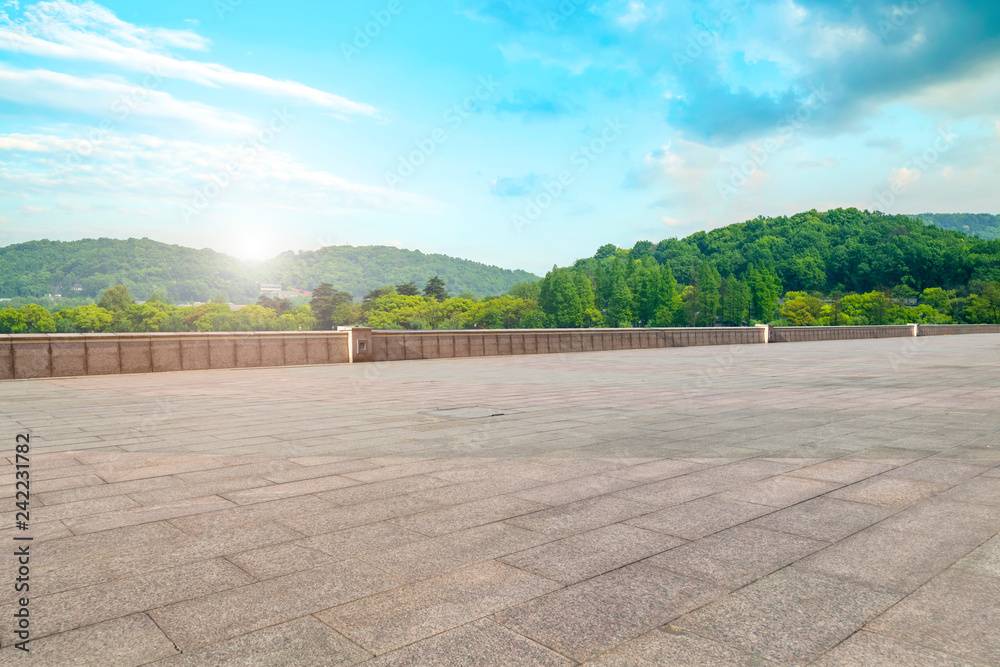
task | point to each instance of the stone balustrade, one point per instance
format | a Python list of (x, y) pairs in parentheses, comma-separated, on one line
[(63, 355)]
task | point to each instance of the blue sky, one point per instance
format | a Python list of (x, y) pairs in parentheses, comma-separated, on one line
[(516, 133)]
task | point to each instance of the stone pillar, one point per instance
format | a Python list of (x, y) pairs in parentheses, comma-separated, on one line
[(765, 330), (359, 343), (915, 329)]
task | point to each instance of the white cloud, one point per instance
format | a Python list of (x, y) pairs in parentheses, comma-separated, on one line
[(113, 100), (903, 177), (90, 32), (634, 15), (170, 171)]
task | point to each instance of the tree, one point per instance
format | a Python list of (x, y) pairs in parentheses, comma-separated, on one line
[(277, 304), (12, 322), (706, 298), (765, 290), (936, 298), (607, 250), (735, 301), (800, 309), (435, 289), (37, 319), (408, 289), (325, 300), (115, 299), (560, 300), (621, 305), (86, 319)]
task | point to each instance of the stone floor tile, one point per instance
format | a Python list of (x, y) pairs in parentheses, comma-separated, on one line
[(978, 490), (139, 515), (401, 616), (888, 491), (984, 560), (587, 555), (595, 615), (701, 517), (957, 613), (304, 642), (288, 557), (824, 518), (482, 643), (736, 556), (94, 604), (791, 617), (666, 646), (453, 551), (220, 616), (908, 548), (675, 490), (874, 650), (841, 471), (467, 515), (277, 491), (366, 493), (339, 518), (132, 640), (780, 491), (654, 471), (581, 516), (237, 515), (938, 471), (572, 490)]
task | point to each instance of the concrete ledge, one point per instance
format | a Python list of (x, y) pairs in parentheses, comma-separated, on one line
[(194, 352), (6, 358), (69, 358), (62, 355), (31, 354), (165, 351)]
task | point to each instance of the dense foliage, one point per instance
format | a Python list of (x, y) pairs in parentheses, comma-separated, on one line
[(84, 269), (841, 267), (983, 225)]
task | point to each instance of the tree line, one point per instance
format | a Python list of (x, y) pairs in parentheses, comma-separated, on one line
[(842, 267)]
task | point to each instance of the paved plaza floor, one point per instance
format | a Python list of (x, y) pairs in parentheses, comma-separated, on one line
[(832, 503)]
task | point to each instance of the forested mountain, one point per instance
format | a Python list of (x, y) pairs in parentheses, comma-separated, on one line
[(837, 250), (983, 225), (38, 268), (360, 269), (872, 267)]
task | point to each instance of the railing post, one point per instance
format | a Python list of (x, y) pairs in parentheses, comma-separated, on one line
[(359, 343), (915, 329), (765, 330)]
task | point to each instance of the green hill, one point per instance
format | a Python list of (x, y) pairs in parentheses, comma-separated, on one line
[(86, 268), (840, 249), (983, 225), (359, 269)]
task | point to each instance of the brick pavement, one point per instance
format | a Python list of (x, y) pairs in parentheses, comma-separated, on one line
[(831, 503)]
